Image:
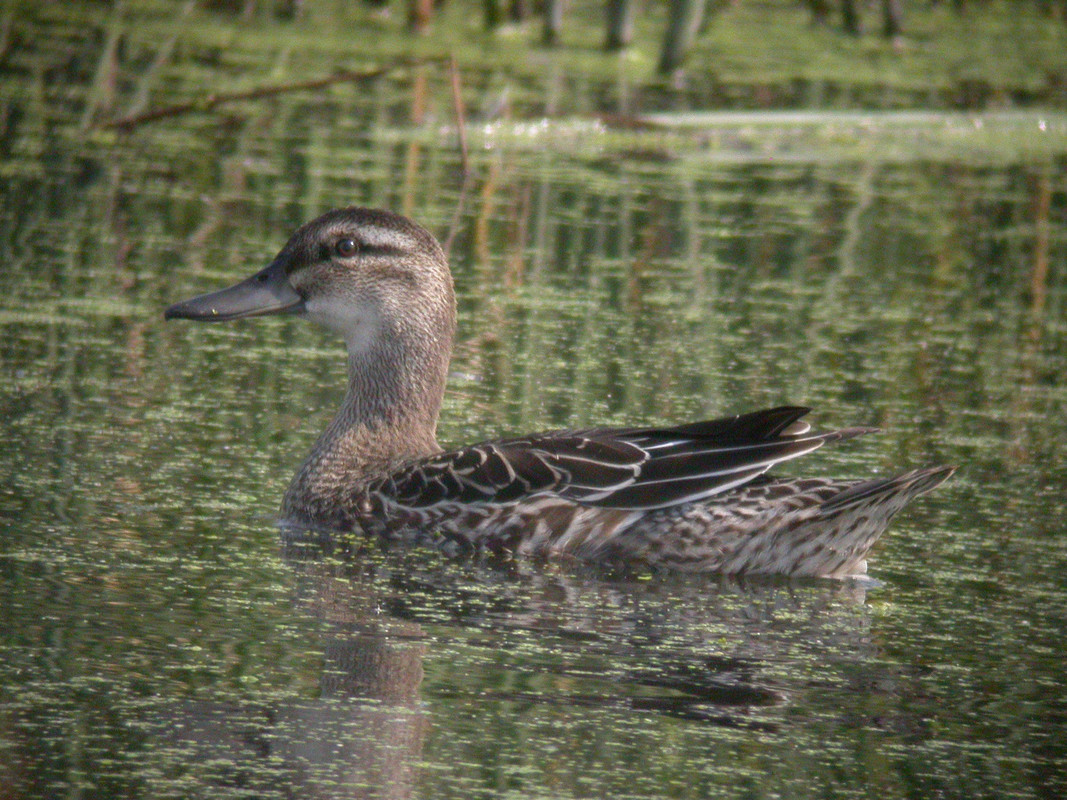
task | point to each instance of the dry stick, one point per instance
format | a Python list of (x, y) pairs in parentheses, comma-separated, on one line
[(461, 127), (213, 100)]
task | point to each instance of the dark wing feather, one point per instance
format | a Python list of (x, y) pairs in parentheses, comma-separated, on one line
[(624, 468)]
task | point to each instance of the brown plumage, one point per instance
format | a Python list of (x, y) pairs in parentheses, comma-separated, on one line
[(695, 497)]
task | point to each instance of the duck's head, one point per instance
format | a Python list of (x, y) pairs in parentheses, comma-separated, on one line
[(374, 277)]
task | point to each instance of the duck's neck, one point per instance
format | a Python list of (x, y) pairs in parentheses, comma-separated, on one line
[(388, 418)]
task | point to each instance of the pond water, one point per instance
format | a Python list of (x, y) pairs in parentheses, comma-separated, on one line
[(904, 271)]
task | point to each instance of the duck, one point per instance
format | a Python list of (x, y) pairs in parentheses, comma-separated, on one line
[(695, 497)]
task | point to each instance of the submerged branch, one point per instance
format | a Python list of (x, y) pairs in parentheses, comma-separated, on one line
[(211, 101)]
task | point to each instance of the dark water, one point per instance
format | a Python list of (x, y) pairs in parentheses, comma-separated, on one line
[(158, 640)]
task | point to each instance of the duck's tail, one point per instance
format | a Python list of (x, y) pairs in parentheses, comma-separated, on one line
[(850, 522), (903, 488)]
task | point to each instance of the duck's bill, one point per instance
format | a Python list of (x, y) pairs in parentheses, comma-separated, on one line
[(266, 292)]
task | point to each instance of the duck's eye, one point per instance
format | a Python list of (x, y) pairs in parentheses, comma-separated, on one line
[(346, 248)]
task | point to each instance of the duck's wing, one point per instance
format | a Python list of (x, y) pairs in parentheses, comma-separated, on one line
[(623, 468)]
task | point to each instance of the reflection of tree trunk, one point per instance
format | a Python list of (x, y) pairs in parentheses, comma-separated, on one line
[(820, 11), (850, 17), (553, 21), (492, 14), (620, 24), (891, 24), (419, 14), (682, 25)]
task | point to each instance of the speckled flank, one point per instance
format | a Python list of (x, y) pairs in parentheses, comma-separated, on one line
[(789, 526)]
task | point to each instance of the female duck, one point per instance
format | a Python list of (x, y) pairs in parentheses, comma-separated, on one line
[(693, 497)]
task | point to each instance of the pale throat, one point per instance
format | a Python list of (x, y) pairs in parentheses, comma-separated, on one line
[(358, 323)]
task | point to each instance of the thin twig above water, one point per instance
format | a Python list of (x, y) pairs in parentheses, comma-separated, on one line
[(212, 101)]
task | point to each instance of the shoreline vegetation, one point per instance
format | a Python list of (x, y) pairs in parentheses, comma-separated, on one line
[(744, 55)]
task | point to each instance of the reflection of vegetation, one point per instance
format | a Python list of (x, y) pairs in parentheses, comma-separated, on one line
[(905, 271)]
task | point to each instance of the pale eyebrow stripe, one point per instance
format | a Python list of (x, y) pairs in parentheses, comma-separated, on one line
[(385, 240)]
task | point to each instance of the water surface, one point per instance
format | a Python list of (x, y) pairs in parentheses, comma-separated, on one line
[(159, 640)]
